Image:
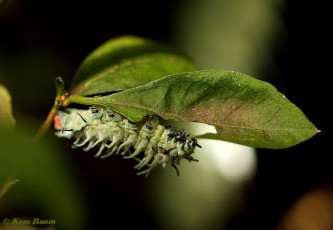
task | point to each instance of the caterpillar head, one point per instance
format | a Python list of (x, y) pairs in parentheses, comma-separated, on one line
[(190, 144), (70, 121)]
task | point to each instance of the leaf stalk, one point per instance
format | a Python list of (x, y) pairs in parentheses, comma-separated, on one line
[(61, 97)]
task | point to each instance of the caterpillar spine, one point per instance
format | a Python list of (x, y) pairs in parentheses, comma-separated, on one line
[(103, 127)]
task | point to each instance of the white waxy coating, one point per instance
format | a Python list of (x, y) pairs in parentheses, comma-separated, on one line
[(107, 129)]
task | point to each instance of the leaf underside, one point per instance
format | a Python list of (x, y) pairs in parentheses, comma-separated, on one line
[(243, 110)]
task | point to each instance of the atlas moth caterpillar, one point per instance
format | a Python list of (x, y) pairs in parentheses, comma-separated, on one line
[(147, 141)]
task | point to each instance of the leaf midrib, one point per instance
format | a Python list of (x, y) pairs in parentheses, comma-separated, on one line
[(189, 118)]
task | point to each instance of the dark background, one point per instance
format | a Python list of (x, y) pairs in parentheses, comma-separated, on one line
[(69, 31)]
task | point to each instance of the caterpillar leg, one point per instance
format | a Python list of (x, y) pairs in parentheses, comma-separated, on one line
[(77, 140), (125, 147), (136, 152), (155, 162), (190, 158), (96, 143), (166, 160), (115, 142), (145, 160), (81, 144), (90, 145), (143, 144), (113, 150), (100, 150), (175, 167), (113, 146), (125, 150)]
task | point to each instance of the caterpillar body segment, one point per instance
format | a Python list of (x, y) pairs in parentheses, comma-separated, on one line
[(147, 141)]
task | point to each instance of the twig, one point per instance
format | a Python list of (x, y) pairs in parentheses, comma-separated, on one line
[(61, 96), (8, 183)]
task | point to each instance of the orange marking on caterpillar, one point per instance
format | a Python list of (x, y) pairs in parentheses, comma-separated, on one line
[(57, 123)]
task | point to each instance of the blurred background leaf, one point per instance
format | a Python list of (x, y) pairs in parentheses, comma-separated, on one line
[(126, 62), (6, 115), (313, 210), (45, 180), (2, 2), (235, 35)]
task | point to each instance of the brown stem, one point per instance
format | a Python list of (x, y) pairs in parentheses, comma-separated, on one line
[(61, 96), (46, 124)]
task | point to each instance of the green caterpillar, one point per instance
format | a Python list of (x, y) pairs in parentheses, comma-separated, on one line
[(147, 141)]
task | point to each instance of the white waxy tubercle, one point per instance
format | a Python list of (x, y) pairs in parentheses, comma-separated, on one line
[(147, 141)]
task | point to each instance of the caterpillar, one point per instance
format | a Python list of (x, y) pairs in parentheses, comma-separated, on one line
[(147, 141)]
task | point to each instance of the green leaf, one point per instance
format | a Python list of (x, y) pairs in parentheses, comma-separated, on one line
[(6, 116), (243, 110), (6, 186), (2, 2), (126, 62), (45, 182)]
